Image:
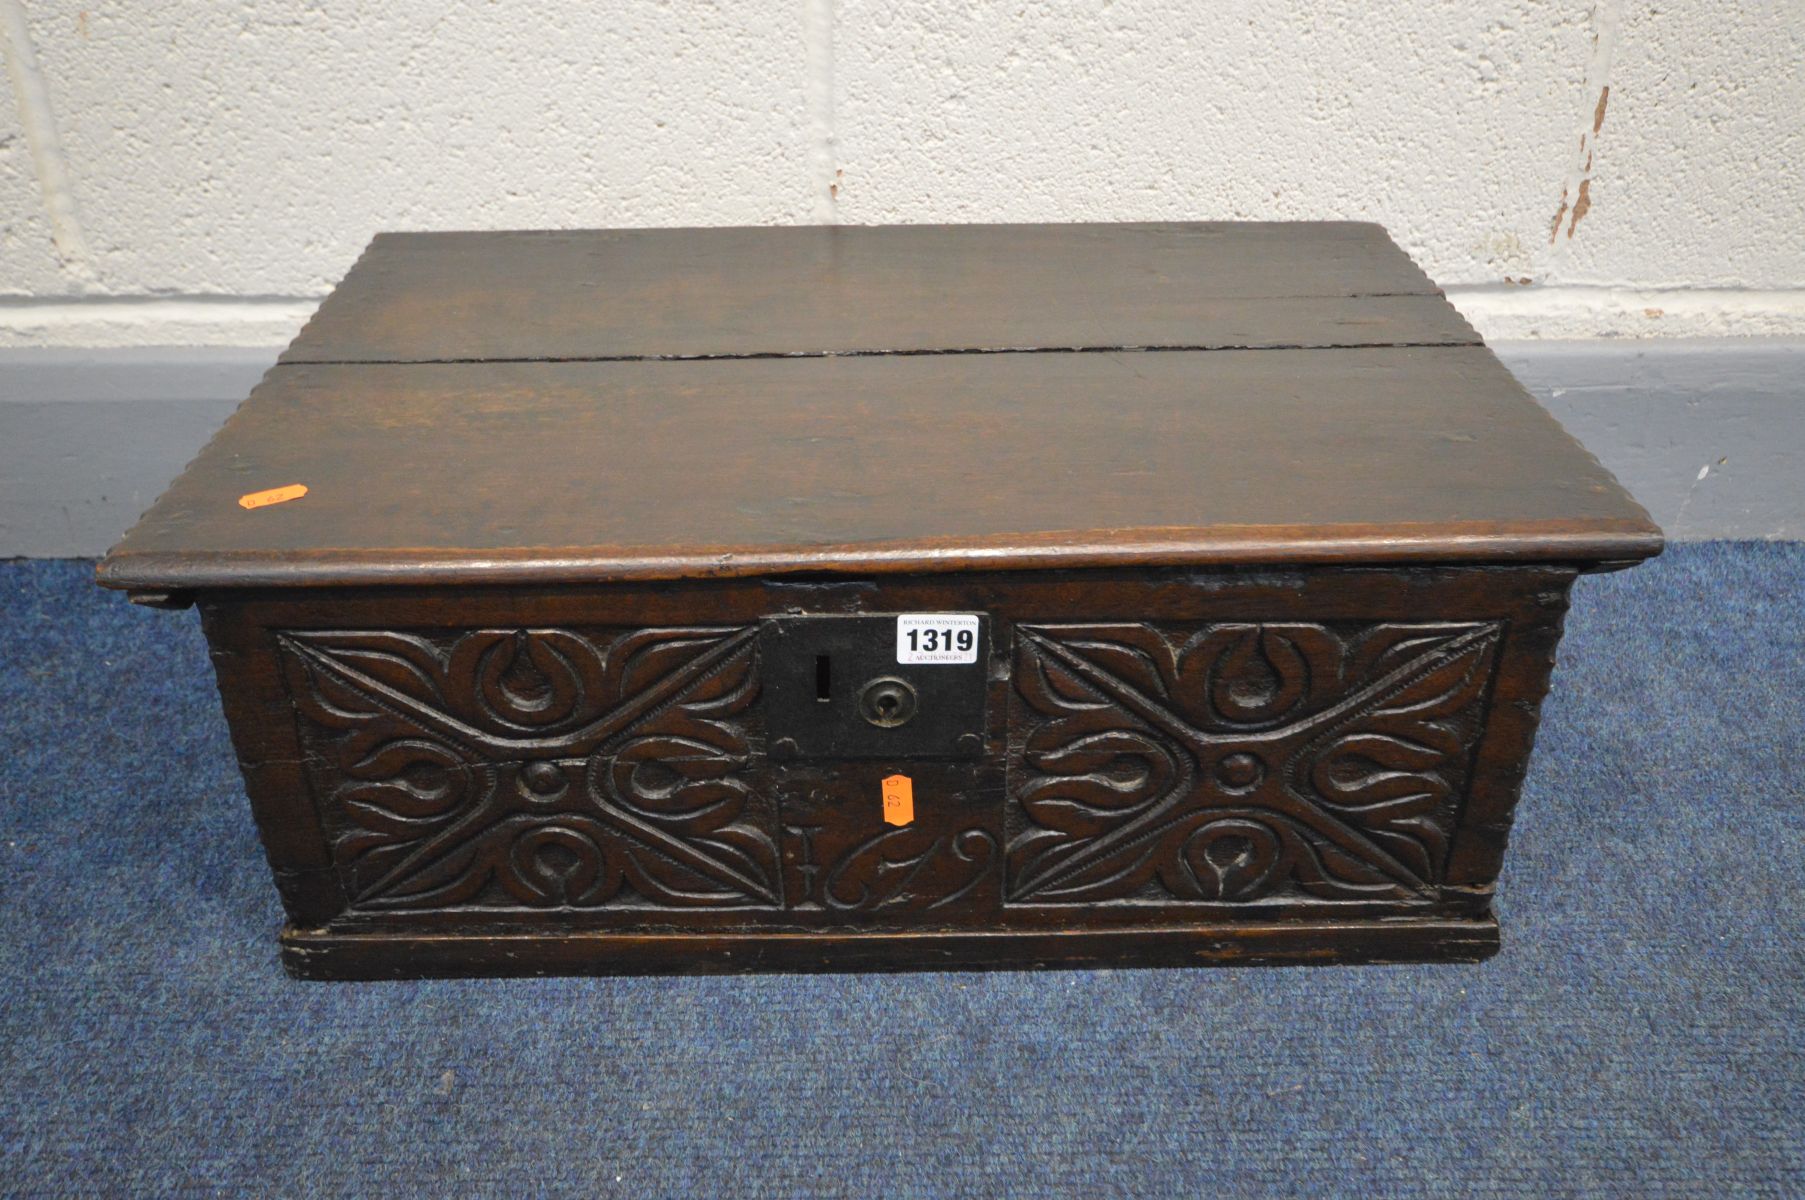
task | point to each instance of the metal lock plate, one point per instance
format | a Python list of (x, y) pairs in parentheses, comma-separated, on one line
[(909, 685)]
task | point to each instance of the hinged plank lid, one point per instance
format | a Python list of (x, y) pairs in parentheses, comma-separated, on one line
[(895, 289), (562, 407)]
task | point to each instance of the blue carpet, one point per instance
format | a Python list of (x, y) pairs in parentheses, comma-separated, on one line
[(1642, 1034)]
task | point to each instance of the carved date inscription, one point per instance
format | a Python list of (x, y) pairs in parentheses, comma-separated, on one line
[(1235, 762), (537, 767)]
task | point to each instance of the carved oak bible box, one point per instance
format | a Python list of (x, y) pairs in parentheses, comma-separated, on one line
[(883, 598)]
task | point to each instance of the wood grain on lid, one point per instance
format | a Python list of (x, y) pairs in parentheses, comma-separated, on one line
[(553, 472)]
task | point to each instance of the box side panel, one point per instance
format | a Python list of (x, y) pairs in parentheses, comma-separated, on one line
[(265, 737), (1513, 713)]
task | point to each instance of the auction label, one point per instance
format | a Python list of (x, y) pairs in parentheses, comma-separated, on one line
[(899, 800), (937, 638)]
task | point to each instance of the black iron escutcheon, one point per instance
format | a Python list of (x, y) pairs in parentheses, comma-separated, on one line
[(833, 688)]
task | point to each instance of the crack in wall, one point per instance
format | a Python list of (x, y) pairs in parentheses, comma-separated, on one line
[(1576, 190), (45, 143)]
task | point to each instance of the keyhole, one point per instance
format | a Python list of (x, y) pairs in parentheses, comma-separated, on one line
[(824, 679), (887, 703)]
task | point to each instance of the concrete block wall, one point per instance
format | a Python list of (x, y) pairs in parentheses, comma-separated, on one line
[(181, 181), (176, 172)]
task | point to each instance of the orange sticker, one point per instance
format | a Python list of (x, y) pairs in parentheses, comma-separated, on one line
[(281, 495), (899, 800)]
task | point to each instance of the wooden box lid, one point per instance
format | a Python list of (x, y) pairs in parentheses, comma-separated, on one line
[(606, 405)]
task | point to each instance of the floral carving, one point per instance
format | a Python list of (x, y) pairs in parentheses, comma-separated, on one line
[(1233, 762), (544, 768)]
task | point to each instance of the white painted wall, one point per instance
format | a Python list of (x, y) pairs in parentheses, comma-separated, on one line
[(178, 171)]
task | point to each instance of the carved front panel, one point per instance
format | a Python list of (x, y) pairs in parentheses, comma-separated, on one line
[(622, 771), (544, 768), (1239, 762)]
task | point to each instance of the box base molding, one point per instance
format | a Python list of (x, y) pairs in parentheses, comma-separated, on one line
[(315, 954)]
